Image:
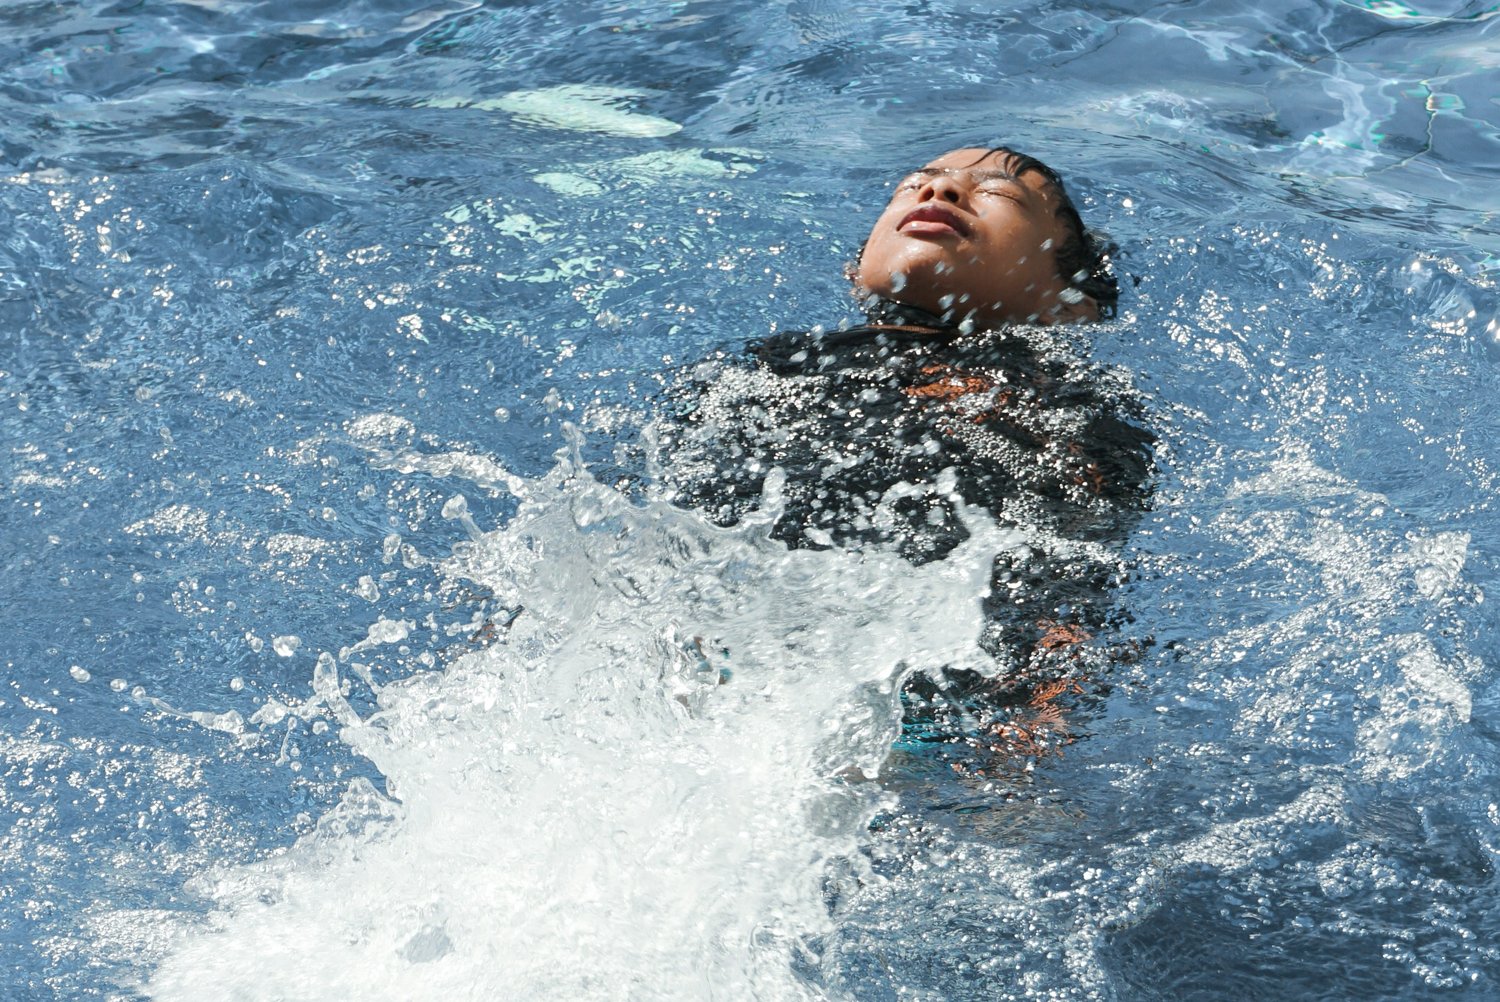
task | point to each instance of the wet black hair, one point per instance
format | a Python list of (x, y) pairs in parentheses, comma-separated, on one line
[(1083, 260)]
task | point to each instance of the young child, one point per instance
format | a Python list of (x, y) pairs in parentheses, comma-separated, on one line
[(959, 381), (986, 238)]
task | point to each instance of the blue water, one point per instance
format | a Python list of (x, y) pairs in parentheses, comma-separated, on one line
[(326, 332)]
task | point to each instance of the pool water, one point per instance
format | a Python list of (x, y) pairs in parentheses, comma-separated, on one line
[(349, 654)]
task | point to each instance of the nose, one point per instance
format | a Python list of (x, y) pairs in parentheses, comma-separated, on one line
[(941, 187)]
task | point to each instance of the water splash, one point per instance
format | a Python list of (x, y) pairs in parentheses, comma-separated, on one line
[(635, 792)]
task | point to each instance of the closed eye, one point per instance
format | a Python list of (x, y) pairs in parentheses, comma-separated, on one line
[(1004, 189)]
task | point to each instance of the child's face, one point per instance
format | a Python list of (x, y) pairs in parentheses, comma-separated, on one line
[(966, 227)]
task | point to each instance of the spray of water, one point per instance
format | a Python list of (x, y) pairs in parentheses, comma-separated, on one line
[(635, 792)]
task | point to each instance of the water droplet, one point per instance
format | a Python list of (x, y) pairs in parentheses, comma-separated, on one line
[(79, 673), (286, 646)]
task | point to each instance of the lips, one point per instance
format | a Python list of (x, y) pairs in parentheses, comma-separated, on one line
[(933, 220)]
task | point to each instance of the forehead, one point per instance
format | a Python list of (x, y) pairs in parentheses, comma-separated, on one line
[(972, 156)]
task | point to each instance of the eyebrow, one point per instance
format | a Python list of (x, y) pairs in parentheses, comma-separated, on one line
[(987, 174)]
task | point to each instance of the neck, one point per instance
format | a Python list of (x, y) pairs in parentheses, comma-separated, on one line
[(889, 313)]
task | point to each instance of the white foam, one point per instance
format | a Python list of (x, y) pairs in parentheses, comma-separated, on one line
[(635, 795)]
